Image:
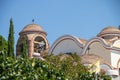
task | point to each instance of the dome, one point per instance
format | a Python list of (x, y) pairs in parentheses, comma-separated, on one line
[(109, 30), (32, 28)]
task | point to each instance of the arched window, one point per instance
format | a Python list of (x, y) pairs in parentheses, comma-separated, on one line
[(39, 44)]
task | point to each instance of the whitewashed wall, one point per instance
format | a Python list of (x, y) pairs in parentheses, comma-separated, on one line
[(117, 44), (66, 46), (115, 56), (98, 49)]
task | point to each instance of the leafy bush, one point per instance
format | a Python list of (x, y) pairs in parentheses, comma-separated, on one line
[(59, 67), (70, 65), (31, 69), (3, 44)]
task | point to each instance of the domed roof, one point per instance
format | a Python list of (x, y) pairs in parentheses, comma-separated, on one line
[(109, 30), (32, 28)]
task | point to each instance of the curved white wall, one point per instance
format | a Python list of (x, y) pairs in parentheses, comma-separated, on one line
[(116, 44), (67, 45), (98, 49)]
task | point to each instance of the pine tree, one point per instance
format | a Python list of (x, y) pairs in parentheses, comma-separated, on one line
[(11, 40)]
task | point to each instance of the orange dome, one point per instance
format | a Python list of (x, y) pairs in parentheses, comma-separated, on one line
[(109, 30), (32, 28)]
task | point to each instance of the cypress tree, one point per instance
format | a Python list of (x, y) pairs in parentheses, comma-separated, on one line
[(24, 48), (11, 40)]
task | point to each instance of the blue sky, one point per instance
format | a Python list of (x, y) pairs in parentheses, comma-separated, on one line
[(81, 18)]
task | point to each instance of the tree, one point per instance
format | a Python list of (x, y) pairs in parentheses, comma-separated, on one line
[(3, 44), (11, 39), (71, 67), (59, 67), (24, 48)]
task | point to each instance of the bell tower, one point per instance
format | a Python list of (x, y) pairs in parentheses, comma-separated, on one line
[(37, 43)]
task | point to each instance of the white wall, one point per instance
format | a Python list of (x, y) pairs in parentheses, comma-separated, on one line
[(105, 67), (67, 45), (115, 56), (98, 49), (117, 44)]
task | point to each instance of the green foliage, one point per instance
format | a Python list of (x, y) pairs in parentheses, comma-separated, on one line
[(3, 44), (71, 66), (24, 48), (60, 67), (27, 69), (11, 39)]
